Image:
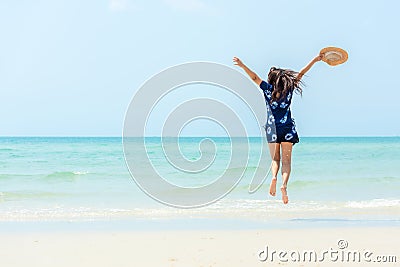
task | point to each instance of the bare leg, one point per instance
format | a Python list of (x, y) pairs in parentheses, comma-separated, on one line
[(274, 150), (286, 168)]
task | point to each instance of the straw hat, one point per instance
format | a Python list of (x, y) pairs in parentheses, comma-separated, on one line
[(334, 55)]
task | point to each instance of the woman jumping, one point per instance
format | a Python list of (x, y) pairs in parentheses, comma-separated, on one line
[(278, 93)]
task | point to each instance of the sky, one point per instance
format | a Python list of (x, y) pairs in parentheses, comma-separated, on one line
[(70, 68)]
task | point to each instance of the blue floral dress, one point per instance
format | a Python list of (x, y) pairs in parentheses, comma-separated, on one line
[(278, 113)]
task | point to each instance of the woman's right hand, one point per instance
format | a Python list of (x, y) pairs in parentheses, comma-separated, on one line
[(237, 62), (319, 57)]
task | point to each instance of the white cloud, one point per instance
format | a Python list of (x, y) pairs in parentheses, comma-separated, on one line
[(119, 5), (186, 5)]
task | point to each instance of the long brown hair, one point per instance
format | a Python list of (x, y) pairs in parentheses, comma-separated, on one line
[(283, 82)]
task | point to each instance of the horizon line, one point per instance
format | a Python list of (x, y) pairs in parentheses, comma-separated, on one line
[(186, 136)]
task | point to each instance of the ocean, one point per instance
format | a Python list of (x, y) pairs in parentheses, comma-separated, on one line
[(334, 181)]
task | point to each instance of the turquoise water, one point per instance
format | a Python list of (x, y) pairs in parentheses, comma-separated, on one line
[(80, 179)]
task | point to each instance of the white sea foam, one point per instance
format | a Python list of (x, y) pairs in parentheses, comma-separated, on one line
[(258, 210), (80, 172), (239, 208), (374, 203)]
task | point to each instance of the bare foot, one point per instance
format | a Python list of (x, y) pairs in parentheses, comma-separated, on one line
[(272, 187), (285, 197)]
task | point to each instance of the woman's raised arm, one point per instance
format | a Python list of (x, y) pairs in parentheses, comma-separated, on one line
[(253, 76), (308, 66)]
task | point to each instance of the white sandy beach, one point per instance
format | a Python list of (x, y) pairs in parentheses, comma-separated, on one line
[(192, 248)]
